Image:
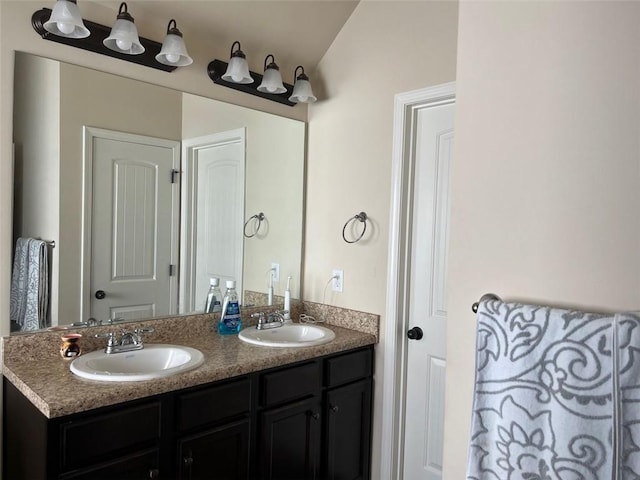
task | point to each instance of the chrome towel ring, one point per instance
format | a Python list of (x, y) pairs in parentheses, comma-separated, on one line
[(259, 217), (362, 217)]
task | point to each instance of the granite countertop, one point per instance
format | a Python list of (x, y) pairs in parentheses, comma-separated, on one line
[(32, 363)]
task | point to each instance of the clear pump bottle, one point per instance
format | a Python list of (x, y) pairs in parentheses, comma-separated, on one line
[(214, 297), (230, 320)]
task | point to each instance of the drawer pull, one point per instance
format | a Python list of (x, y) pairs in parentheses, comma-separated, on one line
[(334, 408), (314, 415), (154, 473)]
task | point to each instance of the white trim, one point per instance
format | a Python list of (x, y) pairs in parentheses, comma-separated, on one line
[(406, 106), (88, 135), (189, 194)]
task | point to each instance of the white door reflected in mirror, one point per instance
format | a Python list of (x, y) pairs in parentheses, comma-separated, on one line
[(128, 185)]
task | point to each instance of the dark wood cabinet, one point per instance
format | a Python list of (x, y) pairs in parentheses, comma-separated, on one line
[(289, 445), (308, 420), (221, 453), (315, 419), (347, 412)]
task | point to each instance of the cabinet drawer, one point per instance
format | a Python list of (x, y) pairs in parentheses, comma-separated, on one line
[(143, 465), (92, 438), (290, 383), (348, 367), (214, 403)]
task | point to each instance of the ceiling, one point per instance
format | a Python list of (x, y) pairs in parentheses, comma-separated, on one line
[(297, 32)]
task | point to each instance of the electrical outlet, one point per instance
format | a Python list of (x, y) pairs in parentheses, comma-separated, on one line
[(338, 280), (275, 272)]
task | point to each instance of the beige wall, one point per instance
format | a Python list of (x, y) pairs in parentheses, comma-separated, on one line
[(385, 48), (546, 174)]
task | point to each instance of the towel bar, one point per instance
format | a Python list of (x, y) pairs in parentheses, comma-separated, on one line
[(486, 296)]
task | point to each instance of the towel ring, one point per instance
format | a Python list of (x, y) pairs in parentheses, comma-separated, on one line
[(259, 217), (362, 217)]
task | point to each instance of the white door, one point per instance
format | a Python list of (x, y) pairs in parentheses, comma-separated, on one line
[(133, 226), (213, 215), (426, 356)]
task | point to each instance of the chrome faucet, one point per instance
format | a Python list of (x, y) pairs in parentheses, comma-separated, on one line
[(272, 320), (129, 341)]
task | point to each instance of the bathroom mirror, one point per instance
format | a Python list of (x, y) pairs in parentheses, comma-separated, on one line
[(59, 107)]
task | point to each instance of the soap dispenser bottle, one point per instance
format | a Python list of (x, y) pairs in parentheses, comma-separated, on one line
[(230, 322), (214, 297)]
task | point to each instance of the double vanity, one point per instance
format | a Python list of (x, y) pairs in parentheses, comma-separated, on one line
[(242, 411)]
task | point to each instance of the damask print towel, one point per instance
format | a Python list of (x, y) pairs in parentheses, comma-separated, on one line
[(628, 388), (30, 284), (544, 406)]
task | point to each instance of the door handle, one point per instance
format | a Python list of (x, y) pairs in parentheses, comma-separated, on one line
[(100, 294), (415, 333)]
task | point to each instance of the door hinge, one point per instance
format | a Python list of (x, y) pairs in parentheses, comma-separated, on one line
[(174, 175), (172, 270)]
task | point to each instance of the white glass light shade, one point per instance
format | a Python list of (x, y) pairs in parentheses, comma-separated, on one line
[(272, 82), (124, 38), (174, 52), (302, 92), (237, 71), (66, 21)]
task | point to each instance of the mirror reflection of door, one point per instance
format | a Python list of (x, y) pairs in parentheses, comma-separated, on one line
[(133, 226), (213, 198)]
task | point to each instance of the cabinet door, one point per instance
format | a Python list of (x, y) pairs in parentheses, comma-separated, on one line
[(220, 453), (142, 466), (347, 453), (289, 441)]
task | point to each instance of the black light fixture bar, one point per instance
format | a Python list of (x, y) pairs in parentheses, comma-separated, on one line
[(93, 42), (217, 68)]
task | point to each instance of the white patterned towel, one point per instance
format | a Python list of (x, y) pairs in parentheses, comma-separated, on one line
[(544, 403), (628, 386)]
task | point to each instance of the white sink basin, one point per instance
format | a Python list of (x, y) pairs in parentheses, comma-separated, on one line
[(153, 361), (289, 335)]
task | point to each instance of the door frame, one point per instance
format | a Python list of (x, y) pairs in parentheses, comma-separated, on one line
[(88, 135), (406, 108)]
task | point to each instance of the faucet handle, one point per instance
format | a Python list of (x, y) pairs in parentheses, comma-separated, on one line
[(261, 319), (110, 336), (138, 331), (277, 314)]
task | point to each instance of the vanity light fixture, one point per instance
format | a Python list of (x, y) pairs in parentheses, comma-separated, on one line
[(238, 69), (124, 34), (174, 51), (94, 42), (272, 79), (302, 92), (66, 21)]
